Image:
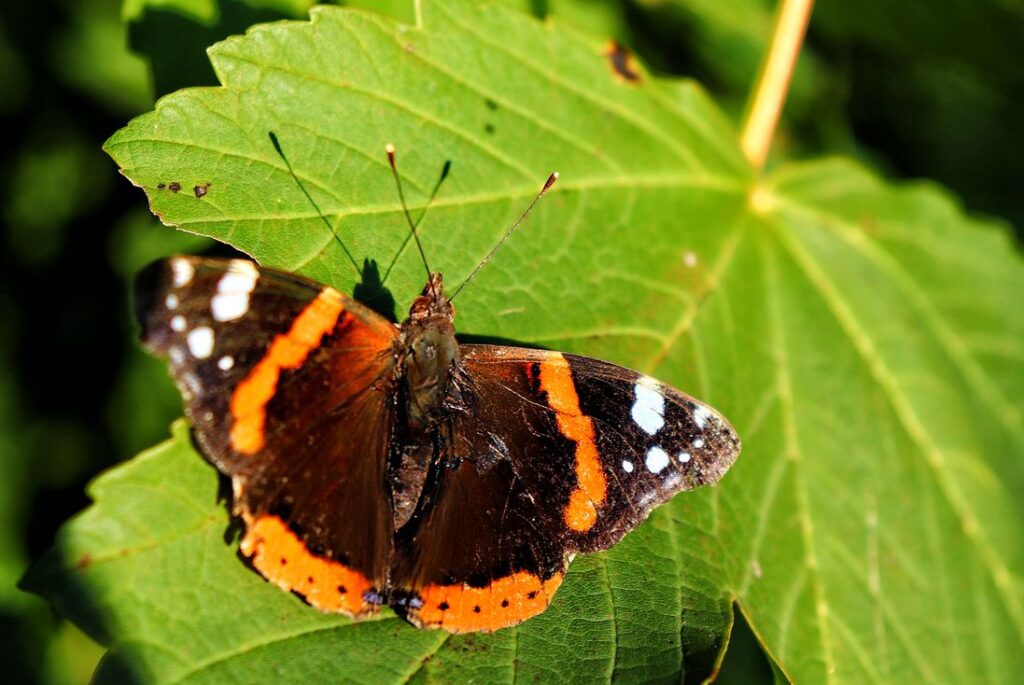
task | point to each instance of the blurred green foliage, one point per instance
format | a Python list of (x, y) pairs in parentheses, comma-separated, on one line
[(916, 91)]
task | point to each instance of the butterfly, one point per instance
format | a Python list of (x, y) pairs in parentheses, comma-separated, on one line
[(378, 464)]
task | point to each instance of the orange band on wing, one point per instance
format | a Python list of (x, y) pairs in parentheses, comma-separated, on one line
[(283, 559), (287, 351), (505, 602), (591, 487)]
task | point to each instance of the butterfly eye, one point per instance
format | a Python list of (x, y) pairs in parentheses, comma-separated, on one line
[(420, 308)]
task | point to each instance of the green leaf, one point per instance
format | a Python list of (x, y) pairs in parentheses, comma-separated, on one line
[(402, 10), (194, 25), (864, 339), (886, 357)]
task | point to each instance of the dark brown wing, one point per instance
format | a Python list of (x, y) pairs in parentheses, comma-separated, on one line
[(555, 454), (287, 385)]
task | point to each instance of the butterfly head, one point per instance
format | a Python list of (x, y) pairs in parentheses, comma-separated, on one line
[(432, 305)]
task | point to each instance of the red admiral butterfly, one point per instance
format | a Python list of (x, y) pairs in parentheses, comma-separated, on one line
[(379, 464)]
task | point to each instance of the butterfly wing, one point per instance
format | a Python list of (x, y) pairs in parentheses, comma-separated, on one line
[(553, 454), (281, 376)]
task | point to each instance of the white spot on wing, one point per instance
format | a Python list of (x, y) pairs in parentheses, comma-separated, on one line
[(684, 457), (627, 466), (225, 363), (645, 500), (178, 323), (232, 298), (649, 406), (243, 266), (657, 459), (177, 355), (182, 272), (701, 416), (200, 342), (698, 443), (229, 306), (171, 301)]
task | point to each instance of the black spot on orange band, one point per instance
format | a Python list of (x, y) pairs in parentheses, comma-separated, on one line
[(283, 559), (504, 602)]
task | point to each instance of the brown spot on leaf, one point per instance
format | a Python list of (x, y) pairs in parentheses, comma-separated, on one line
[(84, 561), (620, 60), (201, 189), (870, 224), (174, 187)]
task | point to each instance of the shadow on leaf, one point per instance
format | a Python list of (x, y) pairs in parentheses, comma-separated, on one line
[(371, 291)]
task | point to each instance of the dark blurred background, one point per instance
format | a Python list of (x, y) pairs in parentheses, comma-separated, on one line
[(917, 89)]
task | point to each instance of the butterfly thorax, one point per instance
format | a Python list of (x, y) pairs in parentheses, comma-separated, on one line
[(427, 352), (426, 356)]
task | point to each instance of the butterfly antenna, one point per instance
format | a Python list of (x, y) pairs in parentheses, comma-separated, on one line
[(302, 187), (433, 194), (522, 217), (390, 149)]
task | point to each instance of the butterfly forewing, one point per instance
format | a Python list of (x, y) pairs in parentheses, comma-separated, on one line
[(654, 440), (276, 371)]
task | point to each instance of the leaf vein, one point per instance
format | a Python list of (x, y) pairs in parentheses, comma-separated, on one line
[(655, 133), (907, 416)]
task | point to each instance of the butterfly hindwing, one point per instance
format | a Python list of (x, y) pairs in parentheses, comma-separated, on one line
[(275, 371), (487, 548)]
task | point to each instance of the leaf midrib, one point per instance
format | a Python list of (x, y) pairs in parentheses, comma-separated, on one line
[(793, 454)]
